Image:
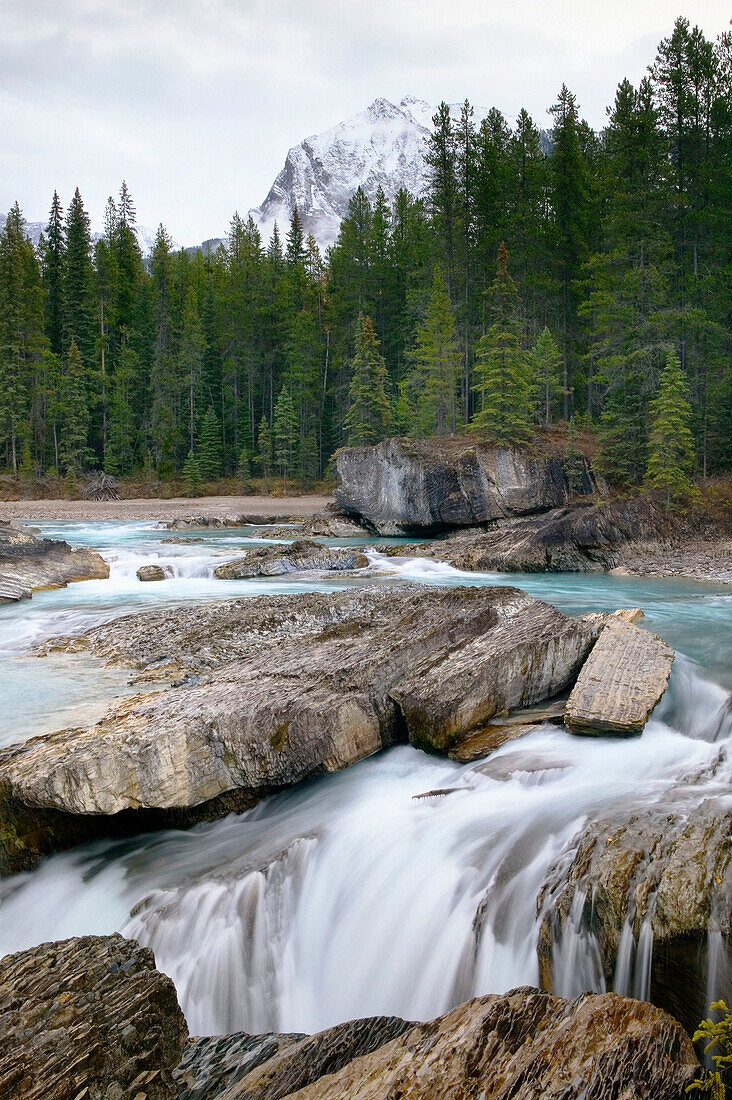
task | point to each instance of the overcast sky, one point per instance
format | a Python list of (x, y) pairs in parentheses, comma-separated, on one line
[(196, 102)]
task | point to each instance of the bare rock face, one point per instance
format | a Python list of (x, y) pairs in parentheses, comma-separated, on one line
[(153, 573), (519, 1046), (416, 487), (299, 557), (88, 1017), (620, 683), (668, 867), (28, 563), (274, 690)]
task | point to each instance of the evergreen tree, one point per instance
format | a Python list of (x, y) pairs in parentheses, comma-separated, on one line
[(546, 365), (431, 390), (245, 471), (75, 413), (53, 275), (209, 446), (503, 376), (369, 417), (78, 304), (285, 430), (670, 443), (296, 240), (192, 482), (264, 448)]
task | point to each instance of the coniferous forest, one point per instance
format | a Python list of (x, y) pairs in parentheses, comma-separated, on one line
[(585, 281)]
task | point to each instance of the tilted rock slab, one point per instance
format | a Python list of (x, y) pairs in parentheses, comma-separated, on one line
[(519, 1046), (299, 557), (620, 683), (406, 486), (88, 1018), (295, 687), (28, 563)]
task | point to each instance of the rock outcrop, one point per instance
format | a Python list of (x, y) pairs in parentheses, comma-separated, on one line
[(28, 563), (519, 1046), (274, 690), (302, 556), (667, 867), (88, 1017), (418, 487), (620, 683)]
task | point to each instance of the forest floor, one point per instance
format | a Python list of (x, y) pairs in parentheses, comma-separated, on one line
[(158, 509)]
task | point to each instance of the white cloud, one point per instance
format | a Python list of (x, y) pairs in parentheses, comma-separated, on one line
[(195, 102)]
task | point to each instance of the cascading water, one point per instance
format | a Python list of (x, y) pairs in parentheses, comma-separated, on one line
[(351, 896)]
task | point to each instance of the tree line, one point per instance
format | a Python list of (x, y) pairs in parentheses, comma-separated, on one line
[(586, 279)]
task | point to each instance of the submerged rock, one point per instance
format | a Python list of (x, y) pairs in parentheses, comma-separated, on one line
[(88, 1017), (413, 487), (285, 688), (153, 572), (299, 557), (621, 682), (28, 563)]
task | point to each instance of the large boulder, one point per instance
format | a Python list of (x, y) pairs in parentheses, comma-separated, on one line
[(620, 683), (665, 870), (28, 563), (302, 556), (274, 690), (88, 1017), (519, 1046), (415, 487)]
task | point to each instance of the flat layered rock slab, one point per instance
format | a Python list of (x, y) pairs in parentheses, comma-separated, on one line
[(302, 556), (276, 690), (88, 1017), (621, 682), (28, 563), (491, 737)]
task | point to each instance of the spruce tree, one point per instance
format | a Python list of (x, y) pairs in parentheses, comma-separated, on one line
[(53, 275), (264, 448), (209, 446), (369, 417), (192, 482), (295, 252), (78, 304), (546, 363), (503, 376), (432, 387), (75, 413), (670, 442), (285, 430)]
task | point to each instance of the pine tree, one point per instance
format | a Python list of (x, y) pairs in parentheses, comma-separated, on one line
[(78, 304), (192, 482), (503, 376), (431, 389), (209, 446), (285, 430), (264, 448), (295, 252), (369, 417), (670, 442)]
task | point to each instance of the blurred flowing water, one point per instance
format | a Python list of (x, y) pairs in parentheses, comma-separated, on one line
[(349, 896)]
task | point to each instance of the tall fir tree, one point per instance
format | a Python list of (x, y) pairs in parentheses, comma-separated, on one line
[(209, 446), (503, 375), (431, 389), (369, 417), (670, 442), (285, 432), (53, 275)]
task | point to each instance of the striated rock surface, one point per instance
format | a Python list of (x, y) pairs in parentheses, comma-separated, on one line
[(620, 683), (522, 1045), (88, 1018), (274, 690), (497, 733), (299, 557), (667, 867), (415, 487), (28, 563)]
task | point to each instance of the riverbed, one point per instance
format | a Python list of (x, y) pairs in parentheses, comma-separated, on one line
[(351, 896)]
